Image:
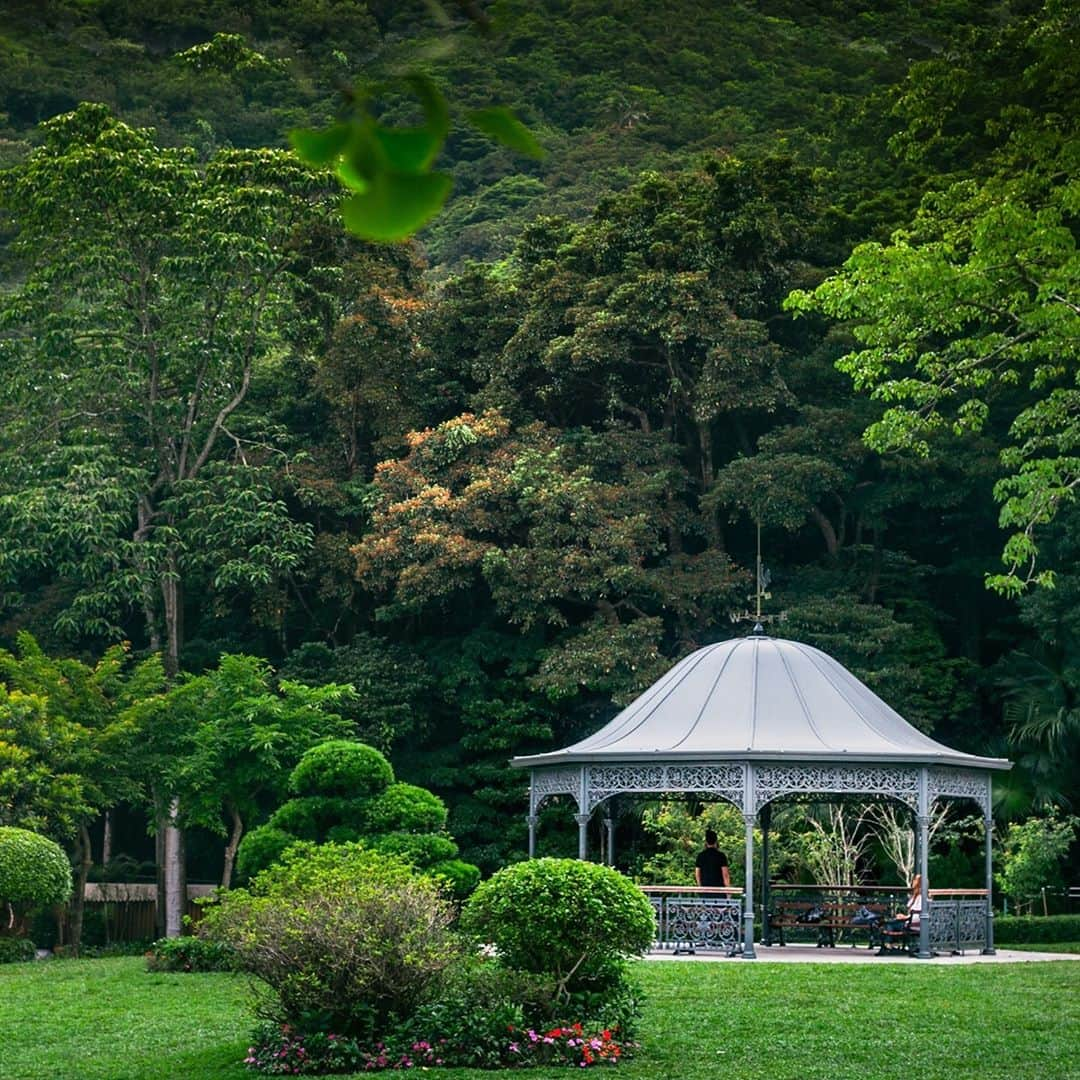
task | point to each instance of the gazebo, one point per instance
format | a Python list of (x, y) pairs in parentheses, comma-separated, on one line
[(759, 719)]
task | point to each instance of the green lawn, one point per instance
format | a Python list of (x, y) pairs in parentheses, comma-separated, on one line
[(110, 1020), (1056, 946)]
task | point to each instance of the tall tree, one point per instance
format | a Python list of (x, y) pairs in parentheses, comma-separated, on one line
[(153, 291), (970, 316)]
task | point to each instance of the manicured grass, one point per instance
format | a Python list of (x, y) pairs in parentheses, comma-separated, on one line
[(110, 1020), (1053, 946), (113, 1020)]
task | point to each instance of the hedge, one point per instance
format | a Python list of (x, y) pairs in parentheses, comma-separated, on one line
[(1035, 929)]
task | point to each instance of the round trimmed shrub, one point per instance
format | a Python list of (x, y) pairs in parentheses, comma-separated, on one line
[(405, 808), (420, 849), (308, 817), (34, 871), (573, 919), (459, 877), (341, 933), (259, 848), (341, 767)]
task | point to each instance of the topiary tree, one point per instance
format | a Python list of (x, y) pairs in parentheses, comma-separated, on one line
[(34, 872), (341, 767), (346, 792), (570, 918), (346, 937)]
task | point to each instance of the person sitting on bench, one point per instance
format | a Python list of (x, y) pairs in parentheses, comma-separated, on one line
[(906, 923)]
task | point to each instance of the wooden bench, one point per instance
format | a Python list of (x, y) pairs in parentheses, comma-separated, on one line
[(836, 916)]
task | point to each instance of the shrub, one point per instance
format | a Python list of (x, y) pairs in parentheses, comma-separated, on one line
[(1032, 854), (33, 869), (346, 938), (309, 817), (1036, 929), (572, 918), (190, 954), (405, 808), (259, 848), (342, 767), (460, 878), (14, 950), (421, 849)]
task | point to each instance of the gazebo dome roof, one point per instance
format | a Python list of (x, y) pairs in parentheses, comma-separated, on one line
[(759, 698)]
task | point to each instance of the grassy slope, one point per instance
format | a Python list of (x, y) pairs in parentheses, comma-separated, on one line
[(109, 1020)]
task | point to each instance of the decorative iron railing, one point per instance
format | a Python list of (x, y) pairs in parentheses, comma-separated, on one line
[(958, 919), (689, 919)]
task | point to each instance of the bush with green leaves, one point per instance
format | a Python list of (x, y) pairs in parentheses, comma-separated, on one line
[(341, 767), (349, 940), (345, 793), (190, 954), (1032, 855), (16, 950), (573, 919), (34, 871), (1036, 929)]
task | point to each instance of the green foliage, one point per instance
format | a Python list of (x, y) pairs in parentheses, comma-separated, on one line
[(393, 685), (420, 849), (388, 168), (974, 297), (458, 877), (342, 768), (1036, 929), (34, 870), (187, 954), (16, 950), (1032, 855), (259, 848), (575, 920), (344, 937), (405, 808)]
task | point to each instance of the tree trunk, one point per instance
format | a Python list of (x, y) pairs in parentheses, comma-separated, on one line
[(231, 846), (173, 603), (83, 862), (175, 883), (708, 476), (832, 545), (106, 840), (159, 866)]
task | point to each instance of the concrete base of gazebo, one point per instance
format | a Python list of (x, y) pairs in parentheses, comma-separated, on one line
[(810, 954)]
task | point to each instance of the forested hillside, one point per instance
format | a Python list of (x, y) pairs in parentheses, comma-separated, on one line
[(498, 478)]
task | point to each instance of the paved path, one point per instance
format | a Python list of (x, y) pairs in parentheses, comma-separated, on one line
[(845, 954)]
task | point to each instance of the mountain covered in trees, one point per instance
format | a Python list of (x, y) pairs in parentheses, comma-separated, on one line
[(498, 478)]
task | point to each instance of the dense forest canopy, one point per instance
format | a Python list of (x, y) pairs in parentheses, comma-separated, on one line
[(499, 477)]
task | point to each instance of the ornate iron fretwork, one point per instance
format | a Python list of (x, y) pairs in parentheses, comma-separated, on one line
[(956, 925), (773, 781), (960, 784), (558, 781), (724, 781), (687, 923), (590, 785)]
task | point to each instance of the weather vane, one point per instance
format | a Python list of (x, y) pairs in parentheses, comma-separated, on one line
[(761, 592)]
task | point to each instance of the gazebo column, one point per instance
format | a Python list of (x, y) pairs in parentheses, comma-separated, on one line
[(748, 891), (766, 821), (923, 835), (533, 821), (609, 832), (988, 832), (582, 835)]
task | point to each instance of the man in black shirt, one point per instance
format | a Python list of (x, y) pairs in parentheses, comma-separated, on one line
[(712, 864)]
